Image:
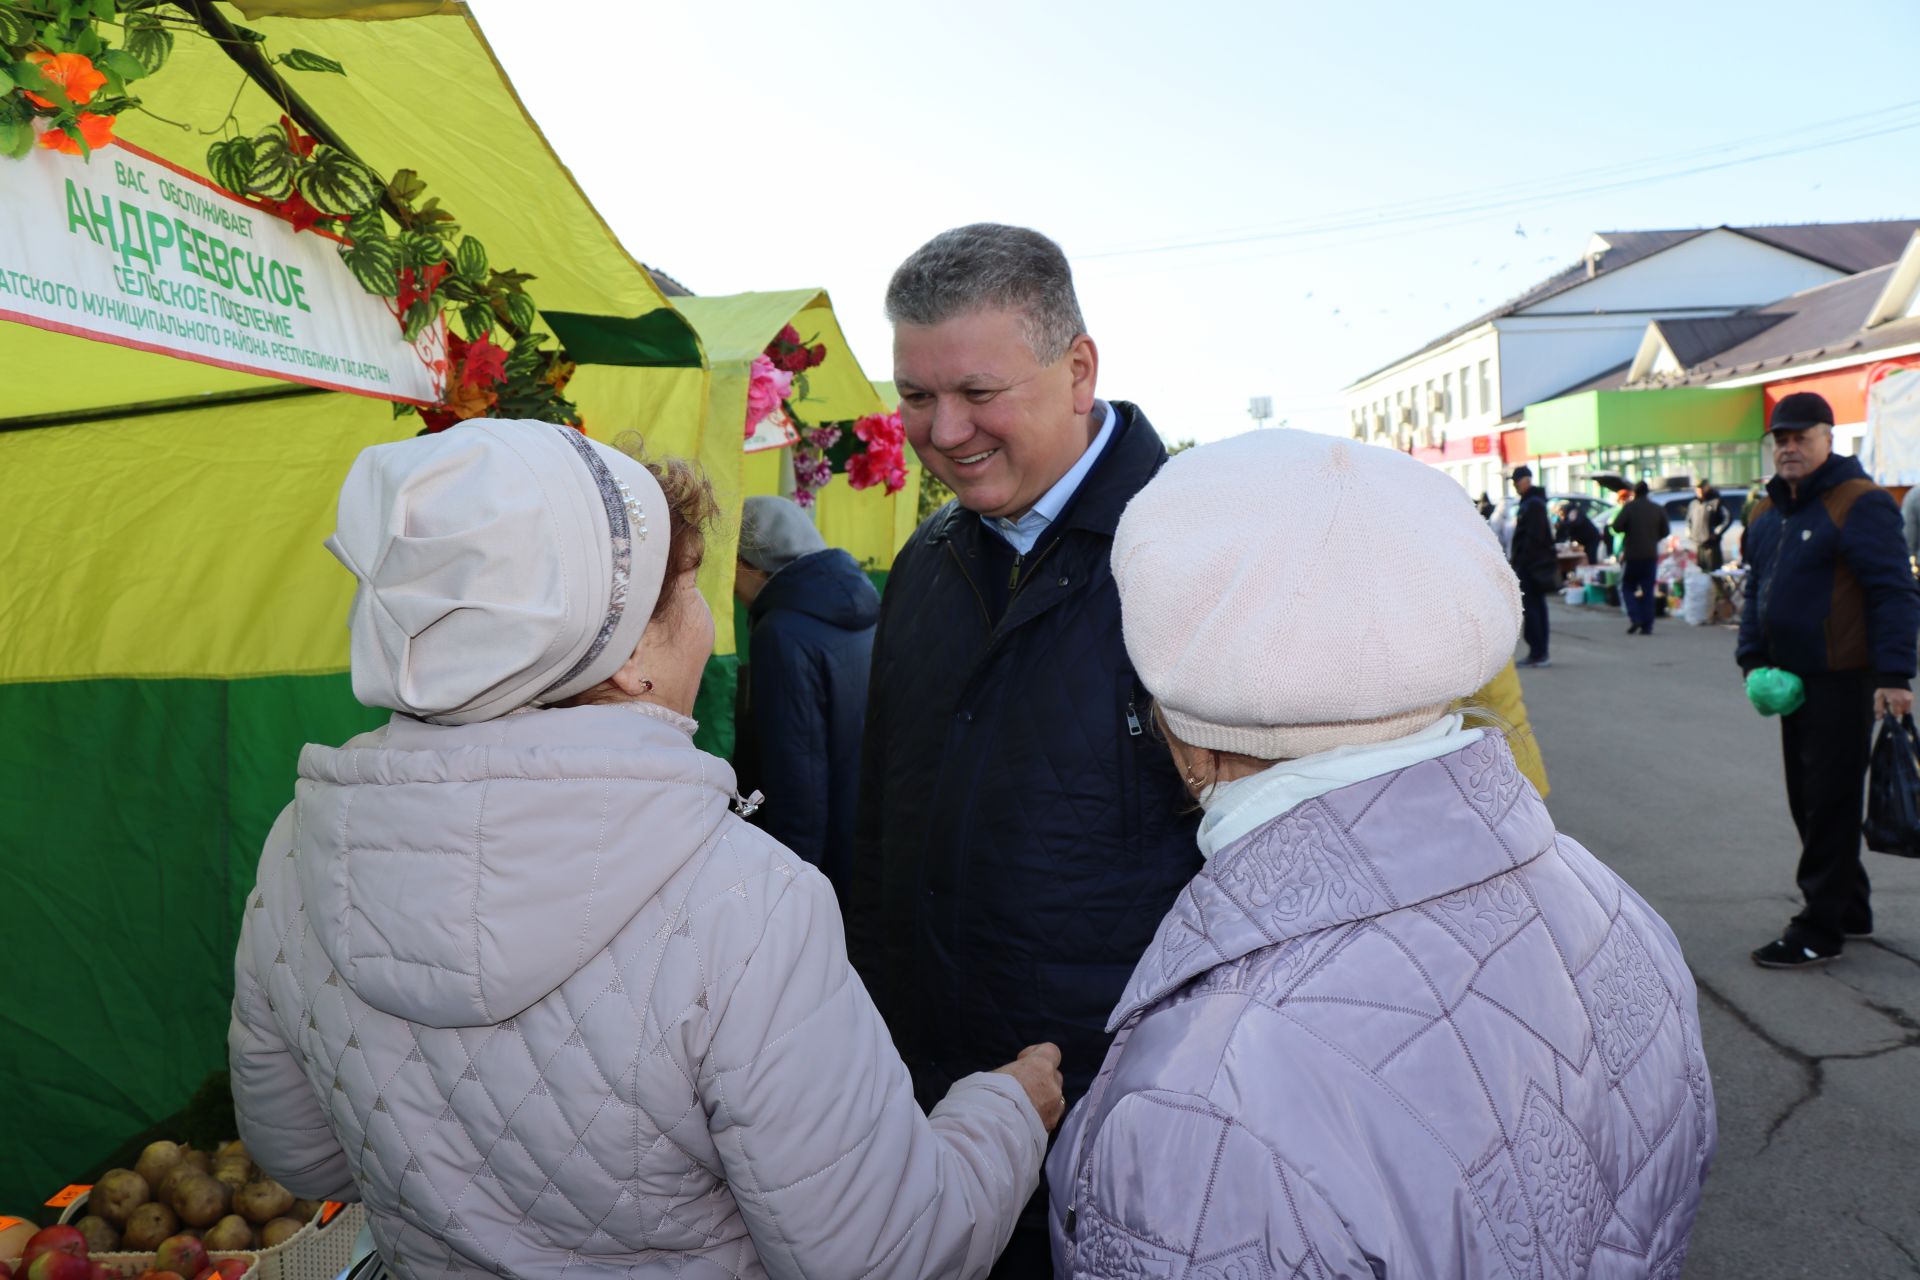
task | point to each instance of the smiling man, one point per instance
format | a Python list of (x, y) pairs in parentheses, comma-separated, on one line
[(1020, 833)]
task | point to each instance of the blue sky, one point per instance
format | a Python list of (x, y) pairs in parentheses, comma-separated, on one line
[(1376, 163)]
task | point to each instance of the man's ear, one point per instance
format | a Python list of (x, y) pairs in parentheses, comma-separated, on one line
[(1083, 360)]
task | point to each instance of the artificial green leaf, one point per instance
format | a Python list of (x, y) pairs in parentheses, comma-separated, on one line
[(800, 386), (470, 260), (307, 60), (418, 249), (251, 36), (230, 163), (103, 10), (418, 317), (88, 42), (6, 83), (334, 182), (375, 263), (148, 40), (478, 321), (16, 138), (72, 129), (405, 187), (16, 28), (122, 64), (271, 174), (366, 226), (401, 410), (521, 311), (510, 281)]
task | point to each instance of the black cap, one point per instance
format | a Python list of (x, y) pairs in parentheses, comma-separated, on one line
[(1522, 473), (1799, 411)]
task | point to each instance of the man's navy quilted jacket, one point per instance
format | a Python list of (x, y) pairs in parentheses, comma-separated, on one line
[(1021, 831)]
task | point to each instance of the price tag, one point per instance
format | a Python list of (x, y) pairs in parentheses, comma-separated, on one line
[(67, 1195)]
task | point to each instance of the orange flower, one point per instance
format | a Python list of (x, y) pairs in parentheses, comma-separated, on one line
[(73, 72), (470, 402), (97, 130)]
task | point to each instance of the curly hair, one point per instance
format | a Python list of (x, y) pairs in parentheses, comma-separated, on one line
[(692, 511)]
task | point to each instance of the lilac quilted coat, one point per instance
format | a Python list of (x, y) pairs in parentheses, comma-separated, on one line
[(1401, 1030), (531, 991)]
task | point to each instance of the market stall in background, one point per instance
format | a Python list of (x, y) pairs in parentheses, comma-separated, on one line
[(207, 312)]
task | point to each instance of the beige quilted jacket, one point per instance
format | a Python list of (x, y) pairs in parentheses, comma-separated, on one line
[(531, 991)]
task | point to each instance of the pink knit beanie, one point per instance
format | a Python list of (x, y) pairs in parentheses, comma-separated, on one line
[(1284, 593)]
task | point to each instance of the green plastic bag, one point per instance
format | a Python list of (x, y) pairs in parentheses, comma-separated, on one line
[(1774, 692)]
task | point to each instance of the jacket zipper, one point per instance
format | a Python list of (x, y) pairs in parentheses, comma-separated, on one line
[(959, 564), (1133, 721)]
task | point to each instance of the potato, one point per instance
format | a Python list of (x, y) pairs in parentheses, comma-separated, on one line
[(163, 1190), (233, 1148), (118, 1193), (201, 1200), (263, 1201), (230, 1234), (279, 1231), (306, 1210), (235, 1172), (102, 1236), (201, 1160), (150, 1225), (156, 1160)]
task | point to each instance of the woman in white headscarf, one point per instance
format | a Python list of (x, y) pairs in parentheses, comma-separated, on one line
[(515, 974)]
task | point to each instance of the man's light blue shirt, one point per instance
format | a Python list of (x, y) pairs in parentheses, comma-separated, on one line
[(1024, 532)]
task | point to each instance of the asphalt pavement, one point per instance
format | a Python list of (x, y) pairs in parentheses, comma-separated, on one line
[(1658, 765)]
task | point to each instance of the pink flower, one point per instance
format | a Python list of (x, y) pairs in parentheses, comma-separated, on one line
[(882, 430), (766, 388)]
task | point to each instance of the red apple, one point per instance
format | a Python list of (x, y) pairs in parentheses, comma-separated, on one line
[(183, 1255), (67, 1240), (6, 1271), (158, 1275), (57, 1266), (101, 1271)]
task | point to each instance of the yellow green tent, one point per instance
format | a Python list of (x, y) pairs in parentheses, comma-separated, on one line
[(174, 629)]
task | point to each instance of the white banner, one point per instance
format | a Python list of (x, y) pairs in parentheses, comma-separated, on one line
[(128, 249), (1893, 427)]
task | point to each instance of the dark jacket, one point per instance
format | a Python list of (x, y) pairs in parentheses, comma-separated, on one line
[(1708, 519), (1021, 830), (806, 704), (1533, 557), (1828, 583), (1580, 531), (1644, 524)]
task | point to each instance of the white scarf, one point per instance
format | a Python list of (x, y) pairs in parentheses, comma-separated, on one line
[(1238, 807)]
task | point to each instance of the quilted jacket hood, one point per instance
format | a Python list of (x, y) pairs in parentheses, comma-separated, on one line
[(457, 874)]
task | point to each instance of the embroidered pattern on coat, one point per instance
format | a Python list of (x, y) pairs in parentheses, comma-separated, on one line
[(1626, 996)]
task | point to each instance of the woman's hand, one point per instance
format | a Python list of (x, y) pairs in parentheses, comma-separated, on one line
[(1038, 1071)]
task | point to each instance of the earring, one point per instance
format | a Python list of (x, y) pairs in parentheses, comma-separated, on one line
[(646, 686)]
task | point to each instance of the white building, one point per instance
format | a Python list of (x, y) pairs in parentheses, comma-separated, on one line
[(1457, 401)]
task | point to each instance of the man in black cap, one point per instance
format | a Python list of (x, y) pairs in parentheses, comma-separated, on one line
[(1535, 562), (1830, 598)]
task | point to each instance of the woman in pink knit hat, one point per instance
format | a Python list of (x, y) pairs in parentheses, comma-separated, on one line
[(1398, 1025)]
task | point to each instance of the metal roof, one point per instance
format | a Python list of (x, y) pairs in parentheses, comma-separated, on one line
[(1842, 246)]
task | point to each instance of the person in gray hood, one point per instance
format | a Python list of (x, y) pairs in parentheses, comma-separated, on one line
[(804, 688), (515, 976), (1398, 1025)]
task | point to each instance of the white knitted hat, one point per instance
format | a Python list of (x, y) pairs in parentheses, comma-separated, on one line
[(1284, 593), (500, 564)]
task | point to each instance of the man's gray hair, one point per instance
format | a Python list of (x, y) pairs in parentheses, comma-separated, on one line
[(989, 265)]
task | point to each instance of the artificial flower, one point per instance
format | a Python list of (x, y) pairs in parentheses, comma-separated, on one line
[(301, 144), (766, 388), (96, 129), (418, 286), (485, 364), (467, 401), (296, 210), (76, 76)]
